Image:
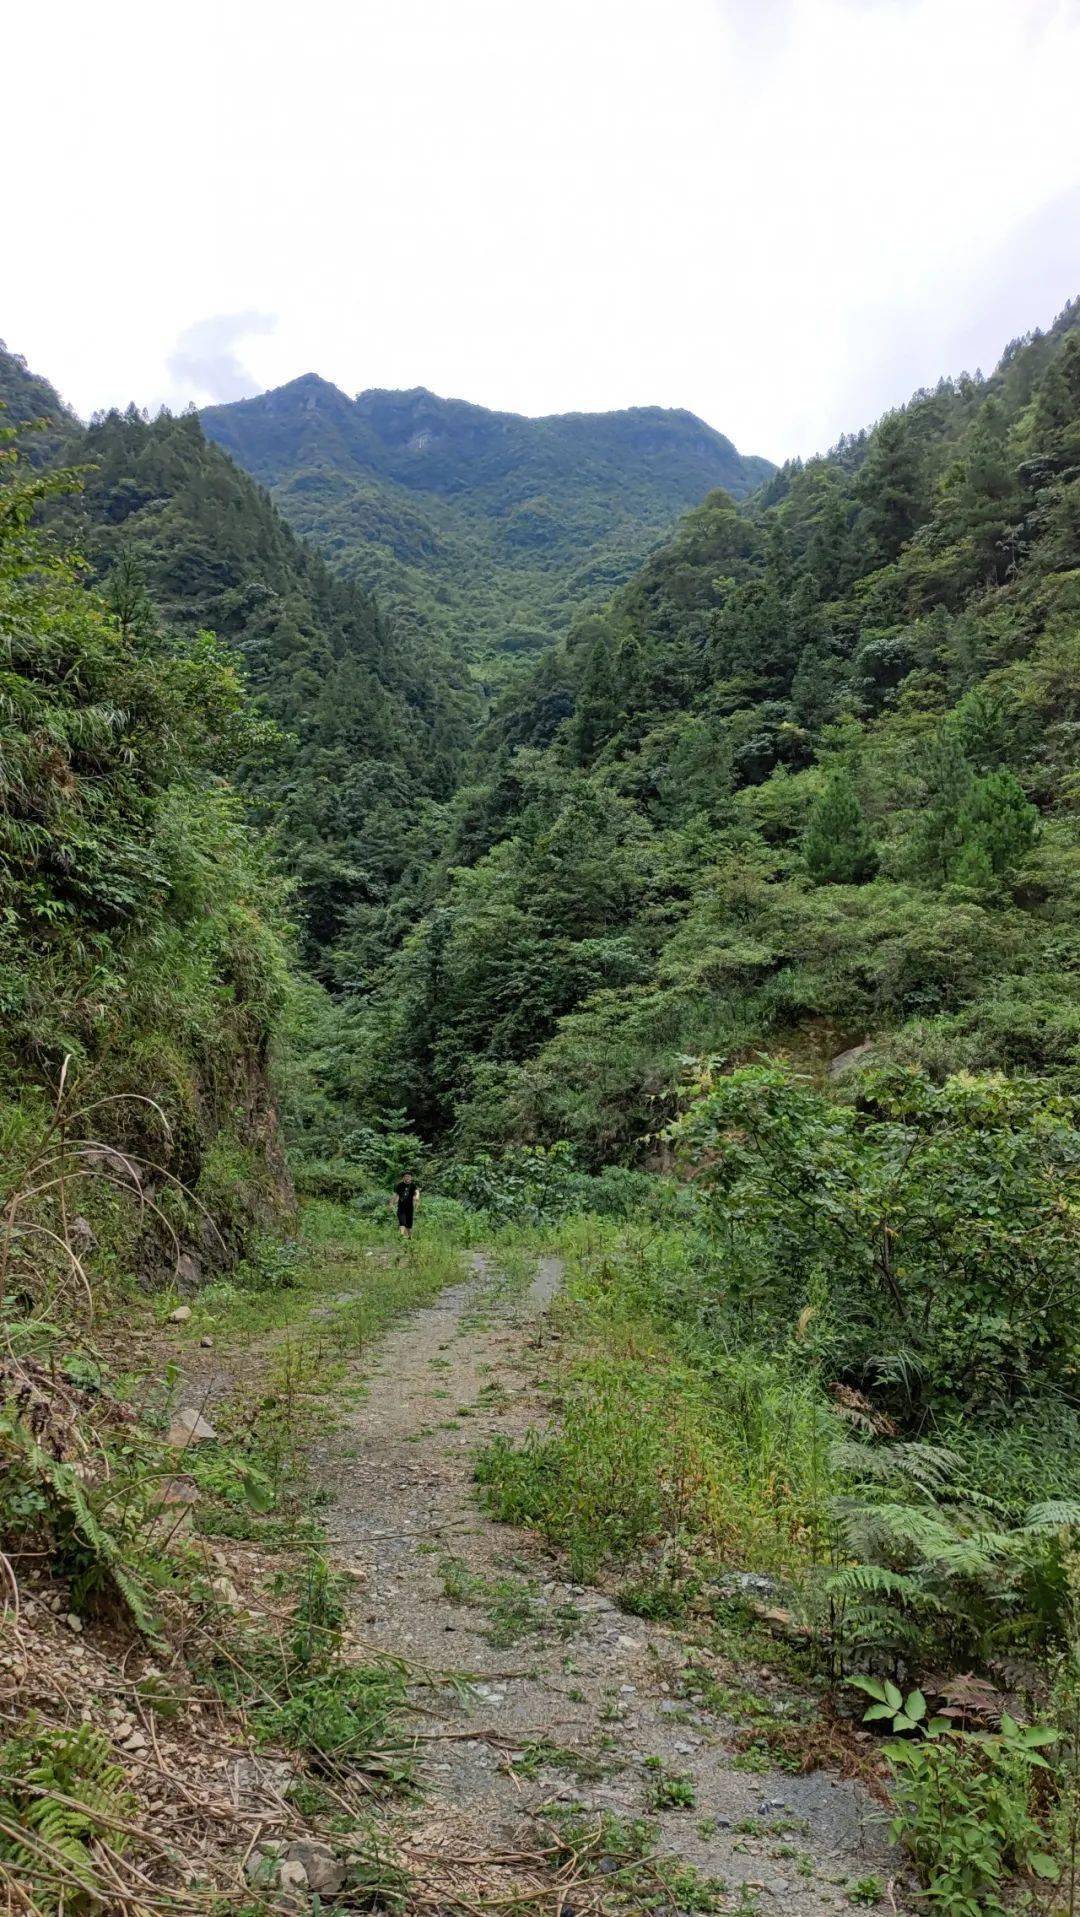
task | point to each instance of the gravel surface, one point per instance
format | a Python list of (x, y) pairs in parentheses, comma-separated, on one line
[(598, 1690)]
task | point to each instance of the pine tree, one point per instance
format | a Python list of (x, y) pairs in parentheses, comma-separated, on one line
[(837, 848), (997, 826)]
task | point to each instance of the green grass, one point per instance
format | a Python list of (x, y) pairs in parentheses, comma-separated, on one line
[(515, 1607), (666, 1433), (338, 1251)]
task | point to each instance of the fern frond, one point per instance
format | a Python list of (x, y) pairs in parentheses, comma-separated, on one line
[(1054, 1514), (874, 1580)]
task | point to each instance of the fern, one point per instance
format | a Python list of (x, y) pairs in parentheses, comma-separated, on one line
[(65, 1790), (876, 1580), (73, 1508), (1054, 1514)]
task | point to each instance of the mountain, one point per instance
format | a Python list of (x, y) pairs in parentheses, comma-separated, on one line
[(372, 723), (490, 526), (26, 399), (809, 778)]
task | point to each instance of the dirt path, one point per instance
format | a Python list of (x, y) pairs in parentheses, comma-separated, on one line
[(570, 1697)]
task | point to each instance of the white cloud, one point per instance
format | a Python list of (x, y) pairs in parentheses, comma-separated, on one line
[(781, 213), (204, 363)]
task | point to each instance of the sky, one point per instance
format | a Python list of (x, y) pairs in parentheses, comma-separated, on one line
[(785, 215)]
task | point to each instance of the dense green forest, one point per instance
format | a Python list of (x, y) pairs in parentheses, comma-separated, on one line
[(487, 528), (145, 955), (808, 779), (805, 780), (369, 725)]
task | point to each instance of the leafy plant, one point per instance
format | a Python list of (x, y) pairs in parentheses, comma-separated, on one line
[(61, 1793), (899, 1712), (964, 1812)]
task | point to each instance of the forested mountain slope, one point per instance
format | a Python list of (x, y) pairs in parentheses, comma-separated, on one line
[(28, 400), (372, 722), (809, 777), (488, 526), (143, 953)]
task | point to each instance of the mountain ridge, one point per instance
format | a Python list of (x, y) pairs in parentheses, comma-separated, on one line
[(488, 527)]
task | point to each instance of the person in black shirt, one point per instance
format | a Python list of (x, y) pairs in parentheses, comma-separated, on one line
[(406, 1192)]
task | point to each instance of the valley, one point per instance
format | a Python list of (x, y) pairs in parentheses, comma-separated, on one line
[(672, 861)]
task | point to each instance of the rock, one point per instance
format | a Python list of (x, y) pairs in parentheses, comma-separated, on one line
[(260, 1782), (189, 1270), (135, 1742), (291, 1875), (181, 1315), (206, 1343), (114, 1164), (748, 1584), (843, 1061), (180, 1490), (324, 1873), (73, 1623), (189, 1427)]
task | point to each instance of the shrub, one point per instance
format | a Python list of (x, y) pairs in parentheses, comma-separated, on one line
[(937, 1221)]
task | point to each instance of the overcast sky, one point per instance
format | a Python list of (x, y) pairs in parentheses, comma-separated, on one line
[(783, 214)]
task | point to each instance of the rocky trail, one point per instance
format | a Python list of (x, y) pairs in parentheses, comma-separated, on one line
[(568, 1701)]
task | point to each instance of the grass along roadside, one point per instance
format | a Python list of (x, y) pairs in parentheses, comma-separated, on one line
[(734, 1489), (175, 1638), (352, 1269)]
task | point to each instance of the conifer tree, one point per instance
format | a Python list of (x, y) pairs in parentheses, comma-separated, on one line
[(837, 848)]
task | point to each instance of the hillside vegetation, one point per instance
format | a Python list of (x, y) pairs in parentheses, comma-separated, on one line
[(808, 779), (489, 528)]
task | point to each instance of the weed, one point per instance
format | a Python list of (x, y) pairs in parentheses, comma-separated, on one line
[(867, 1891), (964, 1811), (671, 1790), (513, 1605)]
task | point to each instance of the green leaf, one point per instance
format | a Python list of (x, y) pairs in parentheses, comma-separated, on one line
[(871, 1685), (1045, 1867)]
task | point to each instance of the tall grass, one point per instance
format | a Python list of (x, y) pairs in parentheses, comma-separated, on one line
[(666, 1433)]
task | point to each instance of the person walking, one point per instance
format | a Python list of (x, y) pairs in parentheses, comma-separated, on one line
[(406, 1194)]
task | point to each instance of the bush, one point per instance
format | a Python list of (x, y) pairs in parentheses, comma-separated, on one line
[(935, 1222), (964, 1813), (522, 1185)]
